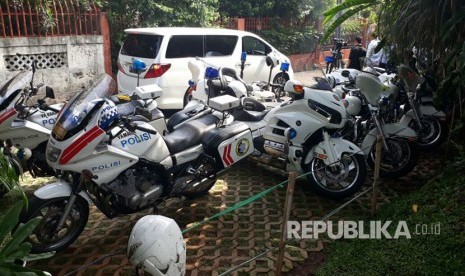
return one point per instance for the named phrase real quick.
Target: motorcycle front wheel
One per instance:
(398, 160)
(339, 181)
(431, 135)
(45, 237)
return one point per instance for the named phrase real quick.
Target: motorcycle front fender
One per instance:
(389, 130)
(58, 189)
(339, 146)
(425, 110)
(429, 110)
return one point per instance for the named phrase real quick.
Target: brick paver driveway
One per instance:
(218, 245)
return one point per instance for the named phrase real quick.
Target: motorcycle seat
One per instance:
(250, 110)
(190, 133)
(183, 115)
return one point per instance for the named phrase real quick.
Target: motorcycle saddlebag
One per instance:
(229, 144)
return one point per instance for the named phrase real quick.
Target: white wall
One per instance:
(85, 61)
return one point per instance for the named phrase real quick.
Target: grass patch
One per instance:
(441, 201)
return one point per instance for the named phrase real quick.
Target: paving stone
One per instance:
(234, 238)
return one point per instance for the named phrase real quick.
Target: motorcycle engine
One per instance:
(134, 189)
(37, 164)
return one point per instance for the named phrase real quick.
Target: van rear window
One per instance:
(141, 45)
(182, 46)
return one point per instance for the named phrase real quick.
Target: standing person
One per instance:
(356, 54)
(373, 58)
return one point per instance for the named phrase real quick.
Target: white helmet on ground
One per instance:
(156, 246)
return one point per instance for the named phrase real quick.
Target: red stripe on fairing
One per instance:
(231, 161)
(81, 143)
(5, 115)
(226, 156)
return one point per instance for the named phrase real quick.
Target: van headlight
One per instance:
(53, 154)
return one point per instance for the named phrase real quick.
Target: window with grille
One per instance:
(44, 61)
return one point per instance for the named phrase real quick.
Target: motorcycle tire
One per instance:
(280, 78)
(406, 162)
(432, 135)
(40, 237)
(316, 170)
(187, 98)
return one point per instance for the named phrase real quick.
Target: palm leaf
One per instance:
(20, 235)
(380, 45)
(346, 5)
(343, 18)
(22, 250)
(11, 269)
(9, 220)
(33, 257)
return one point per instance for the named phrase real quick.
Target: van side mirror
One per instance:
(269, 61)
(49, 93)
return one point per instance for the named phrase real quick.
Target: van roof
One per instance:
(184, 31)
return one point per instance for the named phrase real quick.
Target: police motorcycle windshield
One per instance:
(9, 89)
(79, 110)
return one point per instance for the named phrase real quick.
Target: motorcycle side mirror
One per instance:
(243, 56)
(345, 73)
(49, 93)
(269, 61)
(138, 66)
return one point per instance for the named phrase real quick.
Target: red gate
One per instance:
(23, 18)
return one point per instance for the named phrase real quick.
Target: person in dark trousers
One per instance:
(357, 53)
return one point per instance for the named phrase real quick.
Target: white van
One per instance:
(167, 50)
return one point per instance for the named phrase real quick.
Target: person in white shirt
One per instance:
(373, 58)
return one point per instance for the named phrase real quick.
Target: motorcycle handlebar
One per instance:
(131, 126)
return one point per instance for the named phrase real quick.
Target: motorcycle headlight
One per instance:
(53, 154)
(59, 131)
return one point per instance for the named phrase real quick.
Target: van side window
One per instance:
(182, 46)
(220, 45)
(141, 45)
(253, 46)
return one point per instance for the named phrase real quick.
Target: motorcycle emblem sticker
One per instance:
(242, 147)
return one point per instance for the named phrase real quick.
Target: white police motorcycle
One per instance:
(124, 165)
(27, 127)
(296, 135)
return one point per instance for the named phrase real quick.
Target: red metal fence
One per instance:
(27, 18)
(251, 24)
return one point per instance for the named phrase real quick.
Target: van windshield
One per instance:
(141, 45)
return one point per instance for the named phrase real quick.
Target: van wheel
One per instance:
(280, 78)
(187, 97)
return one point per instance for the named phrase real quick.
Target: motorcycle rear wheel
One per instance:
(325, 183)
(44, 238)
(396, 162)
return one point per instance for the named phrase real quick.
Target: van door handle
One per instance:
(247, 63)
